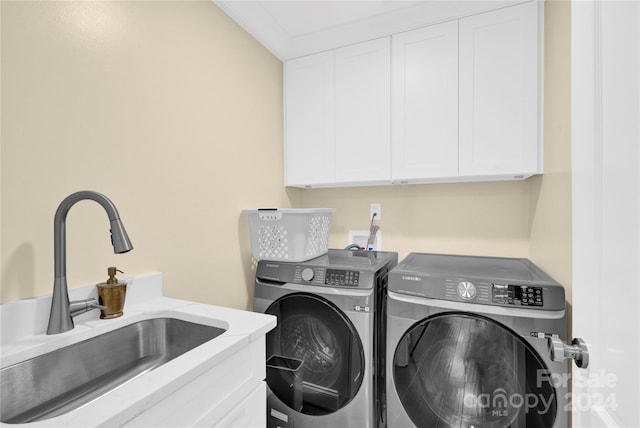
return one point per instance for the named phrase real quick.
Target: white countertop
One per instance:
(23, 335)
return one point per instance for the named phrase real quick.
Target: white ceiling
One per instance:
(298, 18)
(300, 27)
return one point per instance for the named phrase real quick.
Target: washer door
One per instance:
(464, 370)
(315, 359)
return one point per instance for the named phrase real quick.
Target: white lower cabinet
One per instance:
(252, 412)
(232, 393)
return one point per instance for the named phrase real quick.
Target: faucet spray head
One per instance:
(119, 238)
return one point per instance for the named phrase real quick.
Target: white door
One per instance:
(309, 120)
(499, 90)
(425, 103)
(606, 211)
(362, 112)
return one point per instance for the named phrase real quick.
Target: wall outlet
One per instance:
(375, 208)
(361, 237)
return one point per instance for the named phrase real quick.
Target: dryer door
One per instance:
(464, 370)
(315, 358)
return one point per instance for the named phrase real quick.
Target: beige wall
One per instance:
(551, 236)
(176, 114)
(516, 219)
(168, 108)
(471, 218)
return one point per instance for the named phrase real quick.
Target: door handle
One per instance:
(560, 351)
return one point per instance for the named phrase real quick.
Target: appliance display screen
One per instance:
(348, 278)
(520, 295)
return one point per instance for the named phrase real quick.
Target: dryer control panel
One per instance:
(520, 295)
(507, 282)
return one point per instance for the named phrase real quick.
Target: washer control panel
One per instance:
(308, 274)
(342, 278)
(323, 276)
(518, 295)
(466, 290)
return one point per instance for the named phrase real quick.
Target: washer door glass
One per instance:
(315, 359)
(464, 371)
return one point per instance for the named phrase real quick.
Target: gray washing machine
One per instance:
(467, 344)
(325, 358)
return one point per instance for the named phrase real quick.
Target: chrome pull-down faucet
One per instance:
(63, 311)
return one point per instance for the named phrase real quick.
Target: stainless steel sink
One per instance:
(65, 379)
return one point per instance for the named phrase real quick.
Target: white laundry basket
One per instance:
(291, 235)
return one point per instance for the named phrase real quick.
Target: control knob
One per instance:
(466, 290)
(307, 274)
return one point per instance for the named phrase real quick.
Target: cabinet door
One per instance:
(499, 89)
(425, 103)
(250, 413)
(362, 112)
(309, 120)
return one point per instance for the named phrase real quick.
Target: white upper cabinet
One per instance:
(499, 93)
(425, 103)
(309, 120)
(362, 112)
(337, 115)
(456, 101)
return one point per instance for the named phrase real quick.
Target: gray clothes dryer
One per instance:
(467, 344)
(325, 358)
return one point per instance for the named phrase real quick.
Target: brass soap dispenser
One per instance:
(112, 294)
